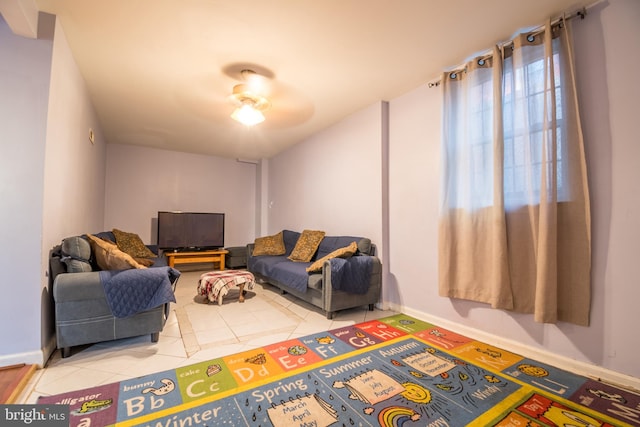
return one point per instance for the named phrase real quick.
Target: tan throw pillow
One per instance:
(269, 245)
(345, 252)
(109, 257)
(306, 245)
(132, 244)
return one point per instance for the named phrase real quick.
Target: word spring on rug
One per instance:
(390, 372)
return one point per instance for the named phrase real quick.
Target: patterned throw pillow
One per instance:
(132, 244)
(109, 257)
(345, 252)
(269, 245)
(306, 245)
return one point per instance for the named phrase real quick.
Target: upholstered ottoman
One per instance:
(216, 284)
(237, 257)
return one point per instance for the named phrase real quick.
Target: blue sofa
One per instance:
(92, 305)
(341, 283)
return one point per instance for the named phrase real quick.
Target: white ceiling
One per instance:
(159, 72)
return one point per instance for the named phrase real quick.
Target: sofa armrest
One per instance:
(250, 255)
(78, 287)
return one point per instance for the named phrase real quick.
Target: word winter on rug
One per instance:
(395, 371)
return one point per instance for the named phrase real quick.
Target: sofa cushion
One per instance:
(265, 265)
(364, 246)
(290, 239)
(269, 245)
(344, 252)
(76, 253)
(106, 235)
(292, 274)
(109, 257)
(306, 245)
(132, 244)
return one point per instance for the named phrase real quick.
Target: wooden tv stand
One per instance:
(196, 256)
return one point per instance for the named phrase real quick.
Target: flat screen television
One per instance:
(196, 231)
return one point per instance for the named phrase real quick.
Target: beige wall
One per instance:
(606, 50)
(142, 181)
(74, 166)
(24, 87)
(332, 181)
(52, 181)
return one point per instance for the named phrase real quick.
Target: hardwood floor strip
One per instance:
(13, 380)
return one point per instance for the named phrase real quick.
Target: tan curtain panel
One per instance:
(514, 226)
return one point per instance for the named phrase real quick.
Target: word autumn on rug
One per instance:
(395, 371)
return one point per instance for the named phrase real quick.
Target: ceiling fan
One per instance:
(243, 86)
(248, 99)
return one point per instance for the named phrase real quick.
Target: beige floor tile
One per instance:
(80, 379)
(194, 332)
(216, 352)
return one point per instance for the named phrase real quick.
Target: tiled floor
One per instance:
(196, 331)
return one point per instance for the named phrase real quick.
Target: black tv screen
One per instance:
(190, 230)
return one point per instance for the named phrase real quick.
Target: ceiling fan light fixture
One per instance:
(249, 105)
(247, 115)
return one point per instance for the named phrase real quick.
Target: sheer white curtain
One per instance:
(514, 227)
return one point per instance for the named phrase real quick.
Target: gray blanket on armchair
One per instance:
(129, 292)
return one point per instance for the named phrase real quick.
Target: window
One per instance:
(525, 159)
(514, 227)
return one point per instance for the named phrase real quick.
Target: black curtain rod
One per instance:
(581, 13)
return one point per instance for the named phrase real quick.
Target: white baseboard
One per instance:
(36, 357)
(541, 355)
(30, 358)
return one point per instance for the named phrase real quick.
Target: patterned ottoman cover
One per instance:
(216, 284)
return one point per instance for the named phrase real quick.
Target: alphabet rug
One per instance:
(391, 372)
